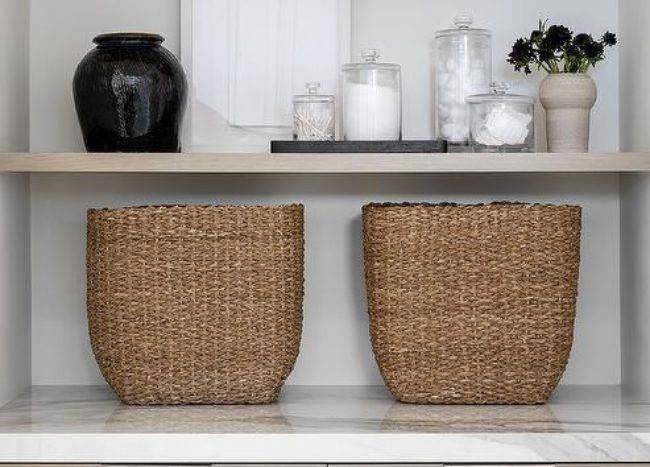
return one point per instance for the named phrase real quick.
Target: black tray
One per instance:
(345, 147)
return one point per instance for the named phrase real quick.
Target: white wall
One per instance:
(14, 55)
(335, 342)
(635, 289)
(634, 72)
(15, 361)
(241, 101)
(635, 200)
(15, 334)
(403, 31)
(61, 34)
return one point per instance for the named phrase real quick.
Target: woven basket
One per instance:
(472, 304)
(195, 305)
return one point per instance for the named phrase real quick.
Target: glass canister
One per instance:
(314, 116)
(463, 67)
(372, 100)
(502, 122)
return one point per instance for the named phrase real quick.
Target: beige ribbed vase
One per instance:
(568, 99)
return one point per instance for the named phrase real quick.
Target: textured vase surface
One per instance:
(130, 94)
(568, 99)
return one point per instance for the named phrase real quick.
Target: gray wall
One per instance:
(15, 333)
(635, 205)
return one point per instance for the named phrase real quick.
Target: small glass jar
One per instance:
(463, 67)
(314, 116)
(372, 100)
(502, 122)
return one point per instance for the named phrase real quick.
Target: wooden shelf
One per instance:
(325, 163)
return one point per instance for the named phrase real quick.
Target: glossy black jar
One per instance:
(130, 94)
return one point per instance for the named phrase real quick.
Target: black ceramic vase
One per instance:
(130, 94)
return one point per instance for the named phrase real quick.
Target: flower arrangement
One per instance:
(556, 49)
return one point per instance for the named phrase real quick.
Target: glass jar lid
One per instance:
(499, 93)
(463, 28)
(312, 94)
(370, 59)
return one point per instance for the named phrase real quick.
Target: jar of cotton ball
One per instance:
(314, 117)
(462, 67)
(502, 122)
(372, 100)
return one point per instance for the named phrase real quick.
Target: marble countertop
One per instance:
(323, 425)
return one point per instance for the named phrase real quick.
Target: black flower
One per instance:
(573, 50)
(522, 54)
(557, 37)
(537, 36)
(546, 55)
(593, 51)
(609, 38)
(581, 40)
(555, 49)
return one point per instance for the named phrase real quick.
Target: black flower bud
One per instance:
(609, 38)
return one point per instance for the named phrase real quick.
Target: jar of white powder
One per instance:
(372, 100)
(502, 122)
(462, 67)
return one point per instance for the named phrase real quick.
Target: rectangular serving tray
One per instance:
(349, 147)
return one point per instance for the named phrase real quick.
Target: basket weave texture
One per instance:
(472, 304)
(195, 305)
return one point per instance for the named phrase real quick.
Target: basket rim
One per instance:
(389, 205)
(170, 207)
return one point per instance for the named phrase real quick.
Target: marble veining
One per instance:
(322, 424)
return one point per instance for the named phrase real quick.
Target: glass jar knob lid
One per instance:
(463, 27)
(370, 61)
(313, 95)
(499, 88)
(312, 88)
(370, 55)
(463, 21)
(499, 92)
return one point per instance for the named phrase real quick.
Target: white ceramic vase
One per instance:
(568, 99)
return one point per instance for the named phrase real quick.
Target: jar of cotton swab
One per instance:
(314, 115)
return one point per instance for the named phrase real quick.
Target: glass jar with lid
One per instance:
(502, 122)
(463, 67)
(372, 100)
(314, 115)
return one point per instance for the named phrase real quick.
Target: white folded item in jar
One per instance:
(503, 126)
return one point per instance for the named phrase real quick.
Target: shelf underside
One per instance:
(326, 163)
(320, 425)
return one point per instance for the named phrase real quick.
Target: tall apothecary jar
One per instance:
(463, 67)
(372, 100)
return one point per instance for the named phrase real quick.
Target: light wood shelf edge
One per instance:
(324, 163)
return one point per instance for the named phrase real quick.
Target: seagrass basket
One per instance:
(472, 304)
(195, 305)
